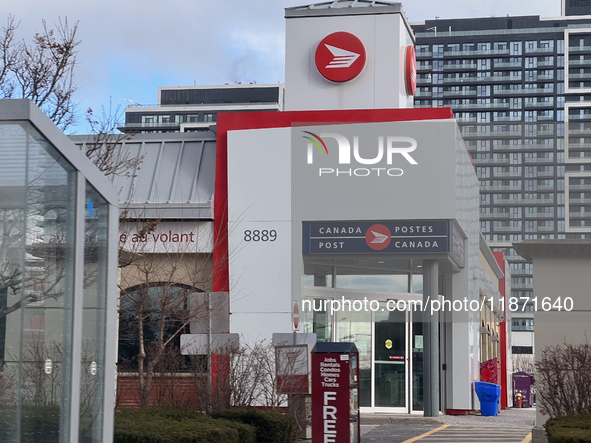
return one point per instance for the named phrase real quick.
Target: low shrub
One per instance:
(178, 425)
(271, 426)
(569, 429)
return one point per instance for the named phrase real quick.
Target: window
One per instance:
(152, 302)
(522, 349)
(437, 51)
(515, 48)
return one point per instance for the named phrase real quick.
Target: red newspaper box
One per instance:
(335, 396)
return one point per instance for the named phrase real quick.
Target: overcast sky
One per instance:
(130, 47)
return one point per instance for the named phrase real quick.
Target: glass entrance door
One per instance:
(390, 345)
(390, 382)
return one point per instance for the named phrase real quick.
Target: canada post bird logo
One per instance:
(378, 237)
(341, 57)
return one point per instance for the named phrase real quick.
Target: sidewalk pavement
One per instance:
(417, 424)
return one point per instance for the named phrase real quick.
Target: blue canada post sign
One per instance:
(391, 236)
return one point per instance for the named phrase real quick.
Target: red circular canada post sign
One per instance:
(378, 237)
(296, 316)
(411, 70)
(340, 57)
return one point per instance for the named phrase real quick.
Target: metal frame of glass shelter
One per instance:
(58, 273)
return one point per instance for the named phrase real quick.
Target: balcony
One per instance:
(546, 229)
(579, 48)
(521, 327)
(495, 215)
(522, 271)
(489, 78)
(500, 188)
(503, 134)
(476, 52)
(579, 201)
(508, 119)
(524, 201)
(535, 146)
(466, 119)
(165, 125)
(579, 145)
(585, 76)
(543, 63)
(427, 67)
(458, 93)
(423, 81)
(424, 54)
(579, 62)
(480, 106)
(423, 94)
(549, 104)
(506, 174)
(579, 214)
(524, 91)
(539, 215)
(579, 117)
(584, 187)
(491, 161)
(539, 160)
(507, 229)
(546, 77)
(586, 131)
(459, 67)
(508, 65)
(538, 50)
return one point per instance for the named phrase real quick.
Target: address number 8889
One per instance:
(263, 235)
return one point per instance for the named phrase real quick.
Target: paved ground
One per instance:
(511, 426)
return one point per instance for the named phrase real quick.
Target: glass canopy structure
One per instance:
(58, 271)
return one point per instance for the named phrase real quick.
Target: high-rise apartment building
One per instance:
(520, 88)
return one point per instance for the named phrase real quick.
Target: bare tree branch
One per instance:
(42, 71)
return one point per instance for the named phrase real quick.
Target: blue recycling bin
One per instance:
(489, 395)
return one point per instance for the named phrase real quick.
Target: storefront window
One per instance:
(151, 303)
(317, 319)
(371, 280)
(356, 327)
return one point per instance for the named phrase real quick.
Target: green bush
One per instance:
(178, 425)
(271, 426)
(569, 429)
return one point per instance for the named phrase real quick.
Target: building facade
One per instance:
(195, 108)
(166, 244)
(519, 88)
(305, 232)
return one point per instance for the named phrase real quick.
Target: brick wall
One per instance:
(176, 390)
